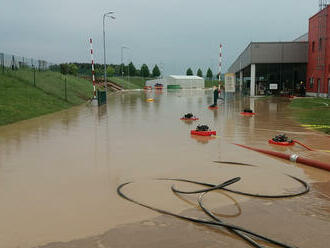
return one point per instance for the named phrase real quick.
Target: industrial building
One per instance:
(276, 66)
(318, 68)
(280, 67)
(178, 82)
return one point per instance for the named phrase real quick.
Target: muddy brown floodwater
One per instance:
(59, 174)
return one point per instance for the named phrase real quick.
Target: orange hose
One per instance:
(292, 157)
(308, 148)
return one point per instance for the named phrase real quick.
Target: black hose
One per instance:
(220, 186)
(190, 202)
(306, 188)
(241, 232)
(229, 162)
(201, 221)
(229, 182)
(242, 235)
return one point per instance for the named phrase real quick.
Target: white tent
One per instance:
(185, 82)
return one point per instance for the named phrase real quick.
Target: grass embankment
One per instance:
(211, 83)
(21, 100)
(312, 113)
(130, 83)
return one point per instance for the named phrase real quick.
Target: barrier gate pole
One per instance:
(93, 71)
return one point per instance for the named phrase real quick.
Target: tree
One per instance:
(69, 69)
(145, 71)
(110, 71)
(199, 72)
(117, 70)
(73, 69)
(99, 71)
(155, 71)
(209, 74)
(64, 68)
(189, 72)
(55, 68)
(132, 69)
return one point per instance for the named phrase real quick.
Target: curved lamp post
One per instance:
(108, 14)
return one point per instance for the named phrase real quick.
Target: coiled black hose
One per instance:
(304, 191)
(241, 232)
(220, 186)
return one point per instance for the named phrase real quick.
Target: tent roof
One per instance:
(185, 77)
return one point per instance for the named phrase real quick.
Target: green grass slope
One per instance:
(312, 112)
(130, 83)
(20, 100)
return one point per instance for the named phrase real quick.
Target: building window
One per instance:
(320, 44)
(311, 83)
(313, 46)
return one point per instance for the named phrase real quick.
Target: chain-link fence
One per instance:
(45, 76)
(14, 62)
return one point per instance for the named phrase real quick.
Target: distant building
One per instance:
(318, 69)
(279, 66)
(178, 82)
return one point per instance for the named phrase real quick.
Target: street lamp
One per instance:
(108, 14)
(122, 60)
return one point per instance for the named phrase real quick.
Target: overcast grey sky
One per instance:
(175, 33)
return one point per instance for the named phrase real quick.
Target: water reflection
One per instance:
(189, 122)
(202, 139)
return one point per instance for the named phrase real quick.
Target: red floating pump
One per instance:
(189, 119)
(285, 143)
(203, 133)
(203, 130)
(281, 140)
(247, 114)
(158, 86)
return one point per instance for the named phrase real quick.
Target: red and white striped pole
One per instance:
(93, 71)
(220, 62)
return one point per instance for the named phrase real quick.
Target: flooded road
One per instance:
(59, 173)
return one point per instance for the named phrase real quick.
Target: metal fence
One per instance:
(40, 74)
(13, 62)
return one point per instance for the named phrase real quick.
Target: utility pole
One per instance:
(220, 63)
(108, 14)
(122, 59)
